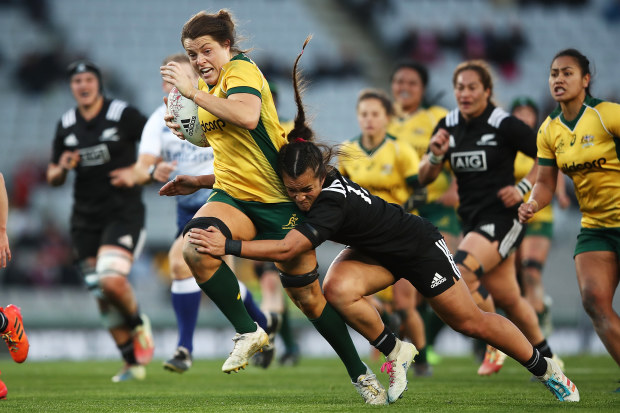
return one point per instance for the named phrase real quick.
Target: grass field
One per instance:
(315, 385)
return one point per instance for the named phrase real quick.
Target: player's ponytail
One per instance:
(301, 152)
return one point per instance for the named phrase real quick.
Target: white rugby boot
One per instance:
(396, 366)
(370, 389)
(245, 346)
(561, 386)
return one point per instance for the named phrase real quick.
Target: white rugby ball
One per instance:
(185, 113)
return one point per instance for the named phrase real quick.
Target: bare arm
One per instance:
(5, 251)
(147, 169)
(513, 194)
(240, 109)
(187, 184)
(432, 163)
(212, 241)
(541, 193)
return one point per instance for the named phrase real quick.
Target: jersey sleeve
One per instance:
(243, 77)
(133, 122)
(324, 218)
(520, 135)
(610, 113)
(150, 142)
(58, 146)
(546, 152)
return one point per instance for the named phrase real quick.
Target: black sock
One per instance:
(127, 352)
(134, 320)
(4, 322)
(421, 357)
(386, 341)
(537, 365)
(544, 349)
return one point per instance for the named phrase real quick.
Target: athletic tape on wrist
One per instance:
(434, 159)
(524, 186)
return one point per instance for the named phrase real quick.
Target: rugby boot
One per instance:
(14, 334)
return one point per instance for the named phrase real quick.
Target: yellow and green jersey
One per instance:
(587, 150)
(386, 171)
(417, 129)
(523, 165)
(245, 160)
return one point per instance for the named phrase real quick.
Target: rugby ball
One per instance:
(185, 113)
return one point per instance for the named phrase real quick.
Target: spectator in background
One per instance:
(92, 139)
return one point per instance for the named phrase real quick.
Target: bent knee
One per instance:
(594, 302)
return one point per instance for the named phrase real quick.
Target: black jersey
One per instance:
(346, 213)
(106, 142)
(482, 154)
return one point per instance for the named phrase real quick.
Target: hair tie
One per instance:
(299, 140)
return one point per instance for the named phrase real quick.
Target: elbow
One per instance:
(249, 124)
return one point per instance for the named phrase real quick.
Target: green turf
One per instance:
(315, 385)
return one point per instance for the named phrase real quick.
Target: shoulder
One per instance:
(437, 111)
(452, 118)
(604, 108)
(498, 116)
(67, 119)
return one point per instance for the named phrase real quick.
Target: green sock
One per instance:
(332, 327)
(223, 289)
(286, 333)
(433, 325)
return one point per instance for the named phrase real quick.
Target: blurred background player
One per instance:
(162, 156)
(92, 139)
(11, 324)
(481, 141)
(580, 137)
(534, 248)
(387, 168)
(414, 121)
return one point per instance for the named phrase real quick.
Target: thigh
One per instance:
(598, 273)
(357, 273)
(239, 224)
(481, 249)
(455, 306)
(501, 281)
(535, 247)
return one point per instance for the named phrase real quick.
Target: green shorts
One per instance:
(272, 221)
(541, 229)
(444, 218)
(598, 239)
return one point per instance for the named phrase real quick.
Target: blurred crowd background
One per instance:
(355, 44)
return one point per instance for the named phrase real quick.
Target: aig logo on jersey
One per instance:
(470, 161)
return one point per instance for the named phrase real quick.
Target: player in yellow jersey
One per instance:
(414, 123)
(239, 120)
(580, 138)
(387, 168)
(534, 248)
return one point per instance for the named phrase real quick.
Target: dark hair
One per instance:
(413, 65)
(301, 152)
(381, 96)
(219, 26)
(582, 61)
(82, 66)
(523, 101)
(481, 68)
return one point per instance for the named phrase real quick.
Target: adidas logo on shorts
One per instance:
(438, 279)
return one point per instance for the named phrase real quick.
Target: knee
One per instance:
(468, 327)
(338, 292)
(593, 302)
(113, 287)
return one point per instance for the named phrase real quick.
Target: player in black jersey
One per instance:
(480, 141)
(384, 244)
(92, 139)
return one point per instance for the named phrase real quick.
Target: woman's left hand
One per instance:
(510, 196)
(210, 241)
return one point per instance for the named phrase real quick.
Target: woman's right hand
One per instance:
(180, 185)
(440, 142)
(168, 118)
(527, 211)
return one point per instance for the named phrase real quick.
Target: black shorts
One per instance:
(431, 271)
(506, 230)
(125, 231)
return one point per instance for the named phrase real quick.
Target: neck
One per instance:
(409, 110)
(88, 112)
(370, 142)
(571, 109)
